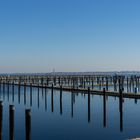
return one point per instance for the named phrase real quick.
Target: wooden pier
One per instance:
(130, 85)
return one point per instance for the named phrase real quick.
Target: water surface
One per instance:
(70, 116)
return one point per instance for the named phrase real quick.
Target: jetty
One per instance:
(129, 85)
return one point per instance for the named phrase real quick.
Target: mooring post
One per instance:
(107, 83)
(28, 124)
(127, 84)
(121, 110)
(24, 92)
(1, 118)
(119, 83)
(19, 92)
(8, 89)
(4, 86)
(13, 91)
(30, 94)
(3, 90)
(104, 107)
(11, 121)
(92, 83)
(84, 83)
(88, 104)
(0, 85)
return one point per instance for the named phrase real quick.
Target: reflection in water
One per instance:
(38, 96)
(61, 100)
(32, 99)
(121, 110)
(52, 105)
(45, 98)
(88, 104)
(72, 94)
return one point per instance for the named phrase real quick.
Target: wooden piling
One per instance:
(30, 94)
(1, 118)
(11, 121)
(13, 91)
(19, 92)
(104, 107)
(24, 92)
(28, 124)
(121, 110)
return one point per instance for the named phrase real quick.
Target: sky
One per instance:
(69, 35)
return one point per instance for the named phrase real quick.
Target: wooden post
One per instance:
(30, 94)
(107, 83)
(11, 121)
(1, 118)
(8, 90)
(92, 83)
(19, 92)
(0, 85)
(84, 83)
(3, 90)
(121, 110)
(28, 124)
(104, 107)
(3, 87)
(24, 92)
(13, 91)
(127, 84)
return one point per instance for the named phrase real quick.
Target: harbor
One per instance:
(53, 93)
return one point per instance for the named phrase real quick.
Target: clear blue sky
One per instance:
(69, 35)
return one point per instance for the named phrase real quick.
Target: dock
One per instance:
(130, 85)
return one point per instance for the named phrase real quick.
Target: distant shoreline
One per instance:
(79, 73)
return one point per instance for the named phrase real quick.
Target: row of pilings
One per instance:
(12, 122)
(113, 83)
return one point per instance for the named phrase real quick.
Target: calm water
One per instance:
(71, 118)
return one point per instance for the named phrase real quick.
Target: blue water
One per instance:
(73, 122)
